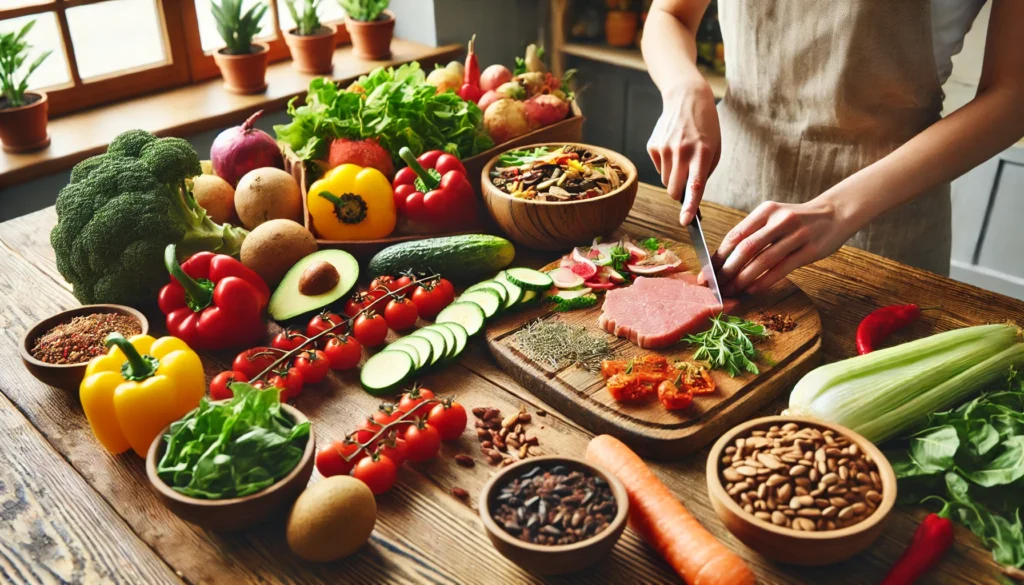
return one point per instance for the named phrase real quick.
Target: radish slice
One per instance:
(650, 269)
(614, 275)
(636, 253)
(585, 266)
(599, 285)
(565, 278)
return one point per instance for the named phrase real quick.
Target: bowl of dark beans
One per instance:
(553, 515)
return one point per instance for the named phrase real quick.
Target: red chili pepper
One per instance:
(881, 323)
(433, 192)
(931, 541)
(470, 90)
(213, 301)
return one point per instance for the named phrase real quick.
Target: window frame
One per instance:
(78, 94)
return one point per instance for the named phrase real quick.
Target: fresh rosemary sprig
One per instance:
(728, 345)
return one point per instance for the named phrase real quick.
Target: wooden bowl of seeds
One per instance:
(554, 515)
(800, 491)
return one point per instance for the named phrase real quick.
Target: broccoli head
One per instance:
(119, 212)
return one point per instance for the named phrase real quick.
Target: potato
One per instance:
(331, 519)
(267, 193)
(274, 247)
(216, 196)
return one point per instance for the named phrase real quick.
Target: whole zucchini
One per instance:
(461, 258)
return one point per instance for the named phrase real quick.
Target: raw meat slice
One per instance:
(658, 312)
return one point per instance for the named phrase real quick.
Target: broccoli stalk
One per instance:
(201, 232)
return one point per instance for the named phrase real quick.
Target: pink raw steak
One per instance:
(658, 312)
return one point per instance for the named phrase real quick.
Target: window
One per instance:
(108, 50)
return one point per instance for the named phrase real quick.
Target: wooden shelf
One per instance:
(632, 59)
(191, 109)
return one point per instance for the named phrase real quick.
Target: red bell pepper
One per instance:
(433, 192)
(213, 301)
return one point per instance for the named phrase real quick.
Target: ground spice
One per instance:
(81, 339)
(559, 345)
(778, 322)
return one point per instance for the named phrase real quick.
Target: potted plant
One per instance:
(371, 27)
(22, 114)
(620, 24)
(242, 63)
(310, 42)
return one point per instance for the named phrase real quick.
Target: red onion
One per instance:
(240, 149)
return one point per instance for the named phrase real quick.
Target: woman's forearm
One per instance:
(669, 43)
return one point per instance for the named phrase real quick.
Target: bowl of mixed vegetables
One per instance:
(557, 195)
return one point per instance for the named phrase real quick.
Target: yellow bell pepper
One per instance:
(352, 203)
(139, 387)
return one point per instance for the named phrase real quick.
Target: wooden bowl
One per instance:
(555, 559)
(785, 544)
(235, 513)
(67, 376)
(558, 225)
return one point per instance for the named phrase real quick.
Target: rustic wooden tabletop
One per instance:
(71, 513)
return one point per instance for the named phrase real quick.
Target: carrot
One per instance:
(695, 554)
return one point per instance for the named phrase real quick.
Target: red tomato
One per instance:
(385, 282)
(322, 322)
(219, 386)
(401, 314)
(413, 397)
(288, 340)
(251, 364)
(343, 352)
(366, 430)
(370, 329)
(357, 303)
(393, 448)
(331, 459)
(422, 440)
(289, 381)
(386, 413)
(429, 300)
(402, 283)
(377, 471)
(672, 397)
(449, 418)
(374, 295)
(313, 364)
(443, 285)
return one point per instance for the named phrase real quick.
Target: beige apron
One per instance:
(819, 90)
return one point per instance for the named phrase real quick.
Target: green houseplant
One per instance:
(242, 62)
(311, 42)
(371, 26)
(23, 114)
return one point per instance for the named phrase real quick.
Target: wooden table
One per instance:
(69, 512)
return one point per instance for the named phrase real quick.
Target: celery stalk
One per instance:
(887, 392)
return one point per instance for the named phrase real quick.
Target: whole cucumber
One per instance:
(458, 258)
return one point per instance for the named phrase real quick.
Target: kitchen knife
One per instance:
(700, 245)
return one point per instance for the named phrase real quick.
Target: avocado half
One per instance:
(287, 302)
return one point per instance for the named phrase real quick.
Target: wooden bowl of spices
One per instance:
(554, 515)
(57, 349)
(800, 491)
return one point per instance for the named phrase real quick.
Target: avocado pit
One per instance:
(318, 278)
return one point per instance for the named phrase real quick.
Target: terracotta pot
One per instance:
(23, 129)
(312, 53)
(372, 40)
(620, 28)
(244, 74)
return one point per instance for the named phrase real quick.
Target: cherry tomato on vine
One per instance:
(322, 322)
(370, 329)
(331, 459)
(343, 352)
(357, 303)
(260, 384)
(219, 386)
(402, 283)
(377, 471)
(385, 282)
(449, 418)
(366, 430)
(386, 413)
(413, 397)
(313, 364)
(288, 340)
(289, 381)
(394, 448)
(446, 287)
(429, 300)
(401, 314)
(253, 361)
(422, 441)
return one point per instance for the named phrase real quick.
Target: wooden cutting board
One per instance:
(648, 427)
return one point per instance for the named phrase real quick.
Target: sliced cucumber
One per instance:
(491, 285)
(515, 293)
(529, 279)
(461, 337)
(528, 296)
(414, 353)
(488, 300)
(385, 372)
(423, 347)
(437, 342)
(449, 338)
(467, 314)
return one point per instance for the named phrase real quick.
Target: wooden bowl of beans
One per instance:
(56, 350)
(800, 491)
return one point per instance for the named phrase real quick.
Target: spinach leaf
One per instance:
(933, 450)
(1005, 469)
(232, 448)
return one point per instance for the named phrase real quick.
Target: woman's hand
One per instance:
(686, 144)
(774, 240)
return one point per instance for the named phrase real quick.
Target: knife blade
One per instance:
(700, 245)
